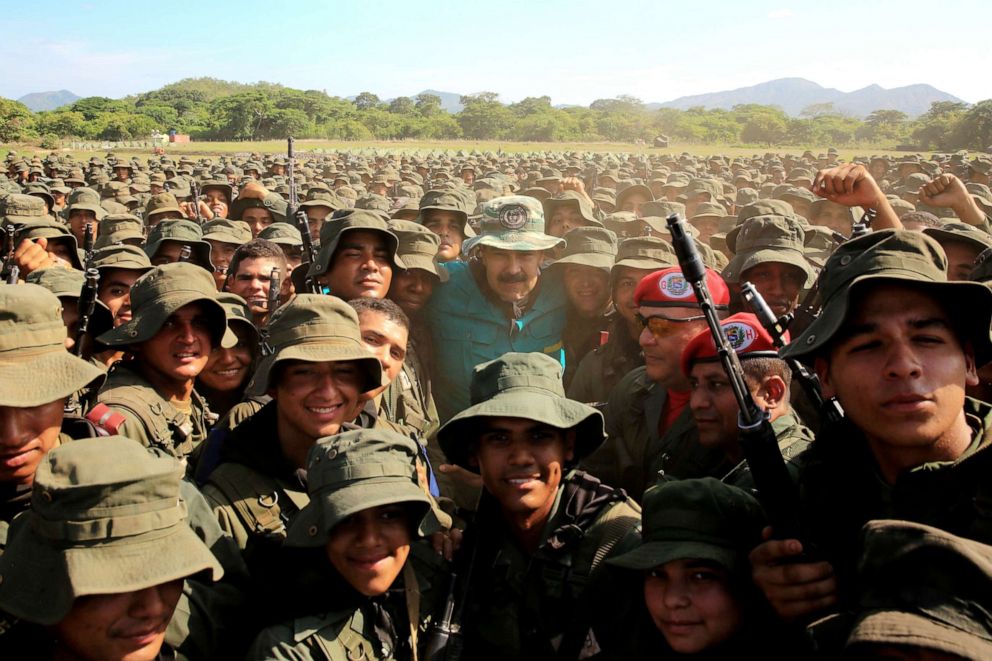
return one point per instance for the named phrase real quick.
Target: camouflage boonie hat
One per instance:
(645, 252)
(898, 257)
(358, 220)
(19, 209)
(764, 239)
(520, 385)
(358, 470)
(924, 588)
(121, 256)
(572, 199)
(159, 293)
(315, 329)
(36, 367)
(589, 246)
(513, 222)
(283, 234)
(99, 527)
(161, 203)
(702, 519)
(418, 247)
(119, 228)
(224, 230)
(185, 232)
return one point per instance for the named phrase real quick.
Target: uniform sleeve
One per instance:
(579, 389)
(617, 461)
(278, 642)
(227, 518)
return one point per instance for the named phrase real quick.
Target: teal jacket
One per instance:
(467, 328)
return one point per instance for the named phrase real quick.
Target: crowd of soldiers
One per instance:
(474, 405)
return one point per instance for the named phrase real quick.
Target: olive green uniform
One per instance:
(793, 438)
(601, 369)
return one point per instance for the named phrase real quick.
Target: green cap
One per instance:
(645, 252)
(359, 219)
(520, 385)
(119, 228)
(662, 208)
(418, 247)
(64, 283)
(961, 232)
(283, 234)
(87, 199)
(589, 246)
(355, 471)
(36, 367)
(159, 293)
(570, 198)
(763, 239)
(767, 207)
(701, 519)
(238, 314)
(185, 232)
(121, 256)
(99, 527)
(316, 329)
(514, 222)
(923, 587)
(161, 203)
(893, 256)
(18, 209)
(224, 230)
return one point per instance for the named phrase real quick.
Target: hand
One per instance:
(796, 590)
(31, 255)
(464, 476)
(851, 185)
(573, 183)
(446, 544)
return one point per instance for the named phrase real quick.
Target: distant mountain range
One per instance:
(790, 94)
(794, 94)
(48, 100)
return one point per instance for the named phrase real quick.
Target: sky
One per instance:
(574, 51)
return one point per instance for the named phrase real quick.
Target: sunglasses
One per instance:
(661, 326)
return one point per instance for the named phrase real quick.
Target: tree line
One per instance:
(210, 109)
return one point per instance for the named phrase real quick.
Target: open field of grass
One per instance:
(198, 149)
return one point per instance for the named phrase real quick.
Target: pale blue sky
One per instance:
(575, 51)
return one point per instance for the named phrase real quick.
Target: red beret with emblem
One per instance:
(668, 288)
(744, 332)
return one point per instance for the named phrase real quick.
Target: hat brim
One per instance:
(143, 326)
(319, 350)
(595, 260)
(49, 579)
(971, 299)
(893, 627)
(654, 554)
(45, 378)
(942, 235)
(746, 260)
(312, 526)
(455, 436)
(515, 241)
(425, 263)
(326, 252)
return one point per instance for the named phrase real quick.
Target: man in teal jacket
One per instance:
(496, 302)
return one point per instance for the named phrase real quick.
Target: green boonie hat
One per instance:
(645, 252)
(701, 519)
(161, 203)
(354, 471)
(34, 362)
(283, 234)
(513, 222)
(982, 271)
(570, 198)
(630, 190)
(315, 329)
(119, 228)
(222, 184)
(893, 256)
(185, 232)
(589, 246)
(238, 314)
(159, 293)
(86, 199)
(121, 256)
(962, 233)
(53, 232)
(520, 385)
(99, 527)
(357, 220)
(709, 210)
(322, 198)
(819, 245)
(418, 247)
(18, 209)
(922, 587)
(224, 230)
(64, 283)
(763, 239)
(768, 207)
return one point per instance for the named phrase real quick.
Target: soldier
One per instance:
(542, 529)
(367, 514)
(962, 244)
(224, 237)
(163, 206)
(225, 377)
(175, 323)
(444, 214)
(498, 302)
(120, 266)
(97, 564)
(258, 207)
(316, 374)
(289, 240)
(567, 211)
(249, 275)
(601, 370)
(713, 405)
(167, 239)
(648, 419)
(84, 212)
(897, 345)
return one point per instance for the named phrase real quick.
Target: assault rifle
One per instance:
(86, 307)
(274, 286)
(302, 223)
(776, 490)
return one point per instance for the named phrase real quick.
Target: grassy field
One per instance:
(198, 149)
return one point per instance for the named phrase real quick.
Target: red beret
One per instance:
(746, 334)
(669, 289)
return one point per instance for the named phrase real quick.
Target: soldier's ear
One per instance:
(971, 369)
(822, 368)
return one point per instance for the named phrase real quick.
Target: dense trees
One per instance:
(211, 109)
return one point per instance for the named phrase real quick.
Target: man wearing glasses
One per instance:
(648, 420)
